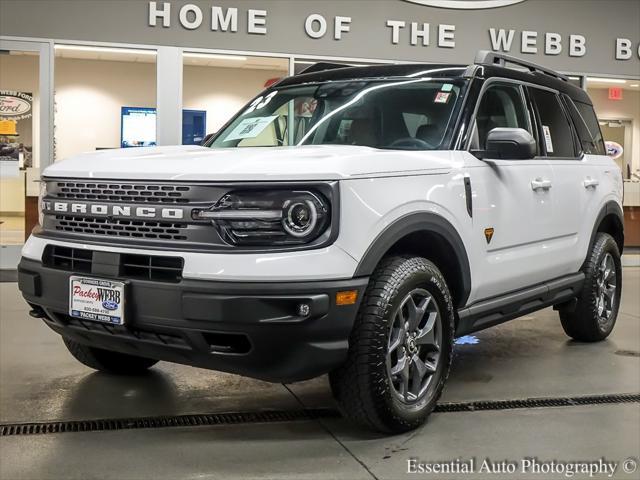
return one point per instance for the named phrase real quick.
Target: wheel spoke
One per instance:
(398, 338)
(405, 376)
(400, 366)
(416, 312)
(609, 292)
(427, 336)
(422, 368)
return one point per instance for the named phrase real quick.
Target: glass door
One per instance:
(25, 140)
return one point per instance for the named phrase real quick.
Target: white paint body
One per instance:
(539, 235)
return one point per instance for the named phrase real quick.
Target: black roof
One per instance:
(333, 72)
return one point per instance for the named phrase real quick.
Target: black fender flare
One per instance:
(609, 208)
(411, 223)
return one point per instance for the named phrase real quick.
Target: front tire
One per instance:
(596, 309)
(108, 361)
(400, 348)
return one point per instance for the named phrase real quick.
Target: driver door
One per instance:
(512, 211)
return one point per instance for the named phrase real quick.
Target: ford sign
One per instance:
(465, 4)
(110, 305)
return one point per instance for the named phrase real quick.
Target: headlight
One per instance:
(267, 218)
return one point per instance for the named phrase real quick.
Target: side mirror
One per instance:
(509, 144)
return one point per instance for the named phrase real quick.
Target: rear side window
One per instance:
(594, 144)
(556, 137)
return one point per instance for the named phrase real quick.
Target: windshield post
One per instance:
(291, 134)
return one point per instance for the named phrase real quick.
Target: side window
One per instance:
(556, 135)
(502, 105)
(589, 117)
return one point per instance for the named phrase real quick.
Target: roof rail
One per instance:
(321, 66)
(487, 57)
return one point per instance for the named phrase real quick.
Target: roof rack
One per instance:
(321, 66)
(487, 57)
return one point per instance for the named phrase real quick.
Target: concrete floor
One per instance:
(529, 357)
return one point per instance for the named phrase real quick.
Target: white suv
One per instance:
(348, 220)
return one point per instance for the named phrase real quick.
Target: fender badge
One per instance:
(488, 234)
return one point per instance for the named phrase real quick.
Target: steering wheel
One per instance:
(408, 142)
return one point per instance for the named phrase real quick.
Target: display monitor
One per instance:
(137, 127)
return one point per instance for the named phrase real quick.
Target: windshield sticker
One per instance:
(447, 87)
(442, 97)
(547, 138)
(250, 128)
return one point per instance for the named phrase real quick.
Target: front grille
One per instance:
(120, 227)
(136, 267)
(123, 192)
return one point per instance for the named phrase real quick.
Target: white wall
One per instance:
(90, 93)
(626, 109)
(222, 91)
(88, 97)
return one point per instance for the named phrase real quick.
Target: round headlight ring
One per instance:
(293, 215)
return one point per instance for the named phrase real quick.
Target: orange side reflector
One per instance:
(348, 297)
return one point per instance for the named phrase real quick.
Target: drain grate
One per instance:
(271, 416)
(537, 402)
(268, 416)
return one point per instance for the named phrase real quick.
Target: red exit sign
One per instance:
(615, 93)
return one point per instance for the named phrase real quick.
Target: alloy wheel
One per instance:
(606, 284)
(413, 351)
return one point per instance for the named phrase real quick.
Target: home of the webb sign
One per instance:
(416, 33)
(574, 36)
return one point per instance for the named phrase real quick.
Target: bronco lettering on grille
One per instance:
(112, 210)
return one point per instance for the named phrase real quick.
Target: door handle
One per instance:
(540, 184)
(590, 182)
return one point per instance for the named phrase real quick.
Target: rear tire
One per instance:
(108, 361)
(400, 348)
(596, 309)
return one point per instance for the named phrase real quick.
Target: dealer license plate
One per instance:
(96, 299)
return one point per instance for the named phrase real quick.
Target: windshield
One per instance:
(415, 114)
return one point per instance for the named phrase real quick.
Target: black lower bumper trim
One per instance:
(252, 329)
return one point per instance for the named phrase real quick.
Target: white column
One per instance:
(169, 96)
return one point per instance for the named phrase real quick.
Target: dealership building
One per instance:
(99, 75)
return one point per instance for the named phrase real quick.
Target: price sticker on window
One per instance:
(547, 139)
(250, 128)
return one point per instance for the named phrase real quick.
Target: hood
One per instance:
(309, 162)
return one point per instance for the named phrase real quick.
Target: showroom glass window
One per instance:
(414, 114)
(556, 135)
(502, 106)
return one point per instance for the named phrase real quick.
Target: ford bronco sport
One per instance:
(348, 220)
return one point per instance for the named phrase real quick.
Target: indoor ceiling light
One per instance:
(83, 48)
(634, 85)
(606, 80)
(214, 56)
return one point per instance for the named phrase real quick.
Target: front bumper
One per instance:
(251, 328)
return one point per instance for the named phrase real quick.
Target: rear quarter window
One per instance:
(595, 141)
